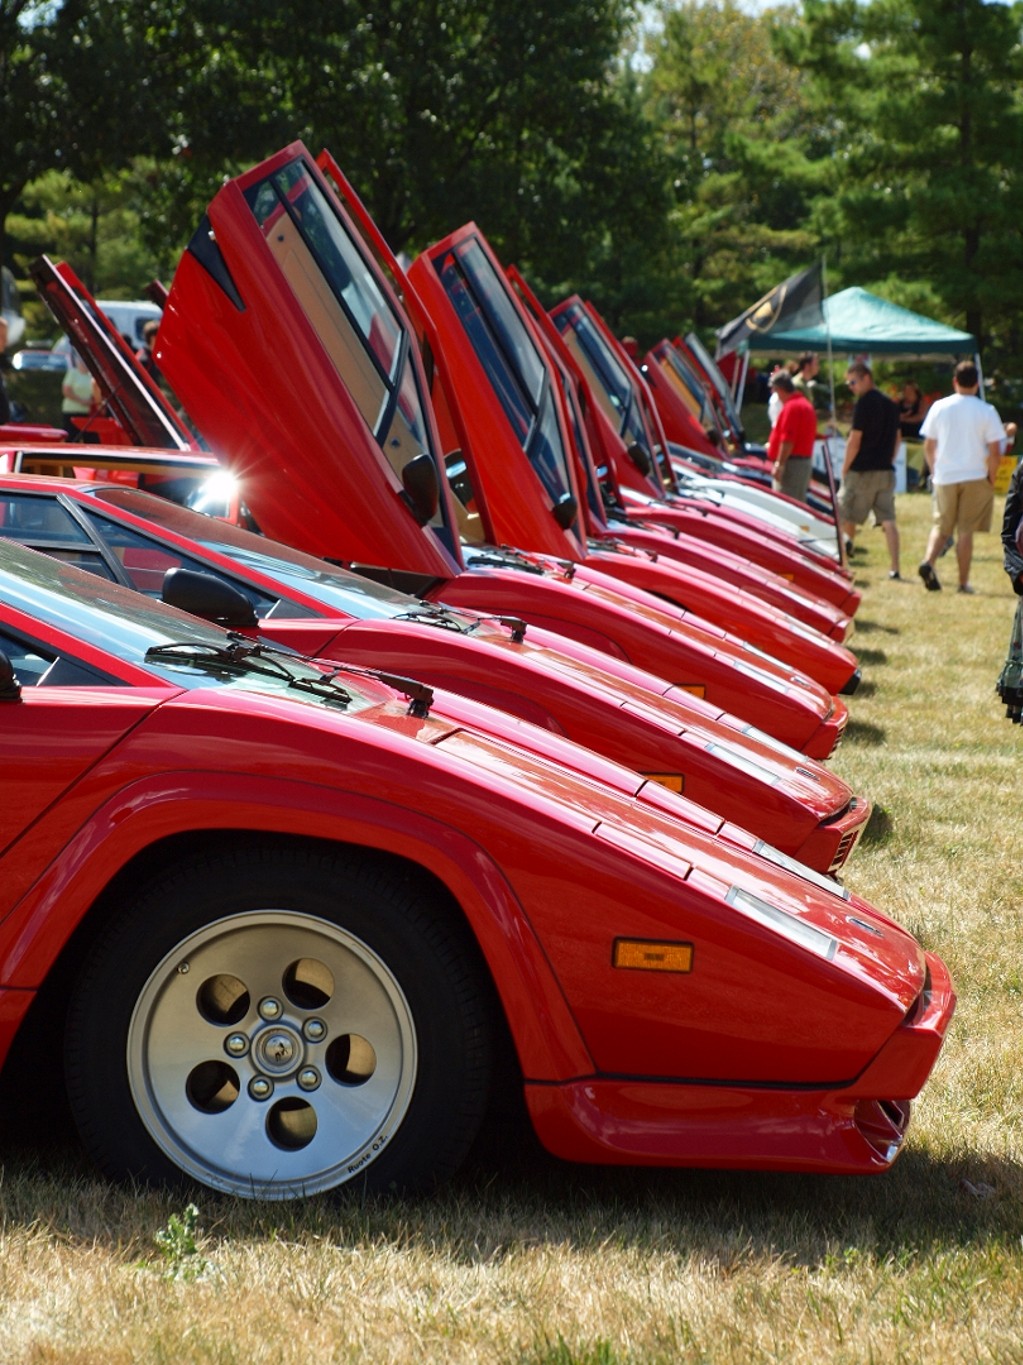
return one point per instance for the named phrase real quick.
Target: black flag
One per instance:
(797, 302)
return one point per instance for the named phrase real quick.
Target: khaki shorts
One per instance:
(963, 507)
(866, 491)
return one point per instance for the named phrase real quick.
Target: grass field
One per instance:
(528, 1260)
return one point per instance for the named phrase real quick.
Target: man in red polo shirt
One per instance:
(790, 447)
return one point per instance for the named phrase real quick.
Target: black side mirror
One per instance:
(202, 594)
(565, 510)
(10, 688)
(422, 492)
(640, 457)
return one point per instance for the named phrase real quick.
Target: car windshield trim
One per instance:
(332, 587)
(131, 629)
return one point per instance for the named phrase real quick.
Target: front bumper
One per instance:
(856, 1128)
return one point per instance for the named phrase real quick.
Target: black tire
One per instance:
(194, 1048)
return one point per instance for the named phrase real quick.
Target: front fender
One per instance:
(145, 812)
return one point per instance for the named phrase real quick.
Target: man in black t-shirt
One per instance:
(868, 471)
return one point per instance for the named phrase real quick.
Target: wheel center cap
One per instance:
(277, 1050)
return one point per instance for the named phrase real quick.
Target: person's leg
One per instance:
(852, 508)
(944, 520)
(891, 535)
(964, 556)
(797, 480)
(976, 506)
(884, 515)
(945, 515)
(934, 543)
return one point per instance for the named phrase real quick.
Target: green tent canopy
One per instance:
(857, 321)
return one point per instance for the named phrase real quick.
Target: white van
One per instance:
(129, 316)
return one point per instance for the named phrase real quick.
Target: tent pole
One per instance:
(832, 488)
(742, 371)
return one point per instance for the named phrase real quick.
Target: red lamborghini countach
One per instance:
(287, 918)
(262, 587)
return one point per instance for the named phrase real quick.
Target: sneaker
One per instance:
(965, 587)
(930, 577)
(894, 575)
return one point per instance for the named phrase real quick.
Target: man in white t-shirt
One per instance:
(963, 441)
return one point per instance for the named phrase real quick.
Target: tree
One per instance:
(30, 122)
(518, 116)
(926, 161)
(77, 93)
(732, 115)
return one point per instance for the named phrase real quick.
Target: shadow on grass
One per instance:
(865, 689)
(923, 1205)
(865, 733)
(873, 627)
(879, 827)
(514, 1196)
(870, 657)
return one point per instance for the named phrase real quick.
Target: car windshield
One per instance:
(689, 383)
(179, 649)
(514, 364)
(608, 381)
(716, 378)
(335, 589)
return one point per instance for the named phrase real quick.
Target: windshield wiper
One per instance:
(241, 656)
(244, 656)
(429, 614)
(507, 558)
(419, 694)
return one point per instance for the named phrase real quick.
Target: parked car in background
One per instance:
(282, 596)
(38, 356)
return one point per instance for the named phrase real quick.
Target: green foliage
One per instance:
(178, 1245)
(886, 135)
(733, 117)
(925, 156)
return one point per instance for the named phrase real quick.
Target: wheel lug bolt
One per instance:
(269, 1008)
(314, 1030)
(260, 1088)
(308, 1078)
(236, 1044)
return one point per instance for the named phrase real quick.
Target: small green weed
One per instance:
(179, 1246)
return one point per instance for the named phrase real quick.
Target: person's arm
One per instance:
(784, 451)
(852, 449)
(994, 459)
(930, 450)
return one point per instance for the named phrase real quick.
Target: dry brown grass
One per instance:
(527, 1260)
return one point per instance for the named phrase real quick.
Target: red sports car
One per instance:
(289, 918)
(631, 717)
